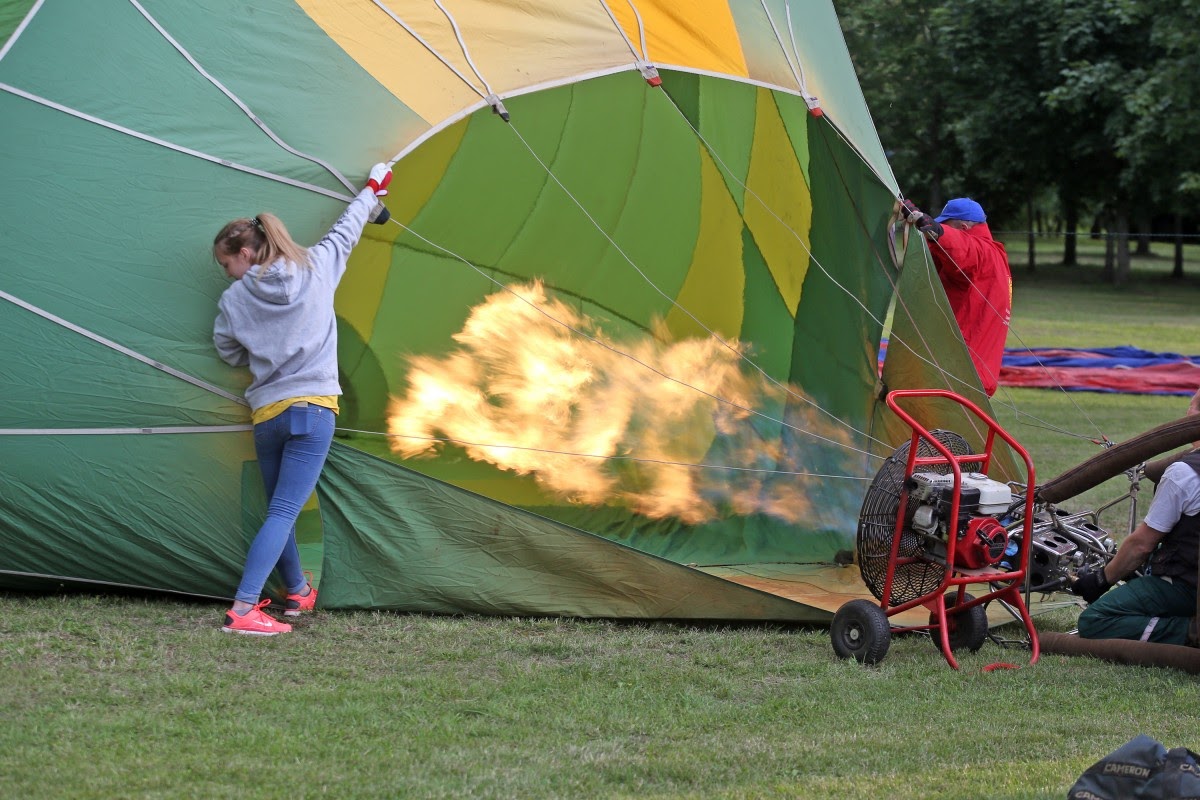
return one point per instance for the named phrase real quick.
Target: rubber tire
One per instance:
(967, 631)
(861, 631)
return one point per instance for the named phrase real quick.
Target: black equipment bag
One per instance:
(1140, 768)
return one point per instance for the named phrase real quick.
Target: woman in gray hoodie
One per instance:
(277, 318)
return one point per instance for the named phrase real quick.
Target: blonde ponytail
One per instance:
(265, 235)
(279, 243)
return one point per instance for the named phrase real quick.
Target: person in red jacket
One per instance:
(974, 271)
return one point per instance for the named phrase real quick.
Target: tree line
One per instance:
(1086, 110)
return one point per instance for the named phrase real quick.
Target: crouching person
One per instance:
(1160, 606)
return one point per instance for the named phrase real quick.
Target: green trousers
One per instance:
(1150, 609)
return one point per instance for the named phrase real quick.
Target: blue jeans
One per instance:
(291, 450)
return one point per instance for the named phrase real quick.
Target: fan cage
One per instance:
(877, 524)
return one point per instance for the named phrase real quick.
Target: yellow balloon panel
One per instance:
(715, 281)
(779, 203)
(414, 49)
(699, 34)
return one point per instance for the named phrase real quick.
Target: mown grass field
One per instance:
(144, 697)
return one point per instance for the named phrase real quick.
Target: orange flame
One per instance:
(598, 422)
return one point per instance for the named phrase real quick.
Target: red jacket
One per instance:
(974, 271)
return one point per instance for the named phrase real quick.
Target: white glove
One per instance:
(381, 176)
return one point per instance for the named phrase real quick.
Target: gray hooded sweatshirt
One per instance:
(279, 319)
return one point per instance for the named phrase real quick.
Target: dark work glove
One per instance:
(379, 214)
(912, 214)
(1090, 584)
(925, 223)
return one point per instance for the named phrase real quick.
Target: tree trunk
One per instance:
(1121, 276)
(1143, 238)
(1029, 227)
(1177, 273)
(1109, 253)
(1070, 249)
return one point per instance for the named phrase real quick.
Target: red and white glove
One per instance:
(381, 176)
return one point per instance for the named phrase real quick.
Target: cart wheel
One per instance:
(861, 631)
(967, 630)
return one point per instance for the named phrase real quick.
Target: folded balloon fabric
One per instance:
(1125, 369)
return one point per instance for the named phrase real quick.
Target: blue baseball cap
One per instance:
(963, 208)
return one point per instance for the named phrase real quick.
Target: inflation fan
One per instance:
(932, 523)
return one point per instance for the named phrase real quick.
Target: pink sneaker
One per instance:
(255, 622)
(297, 604)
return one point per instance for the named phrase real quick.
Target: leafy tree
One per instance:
(1164, 110)
(902, 65)
(1094, 100)
(1003, 65)
(1104, 46)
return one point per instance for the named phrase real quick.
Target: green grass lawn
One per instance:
(133, 697)
(1057, 306)
(124, 698)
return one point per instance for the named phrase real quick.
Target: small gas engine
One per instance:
(981, 537)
